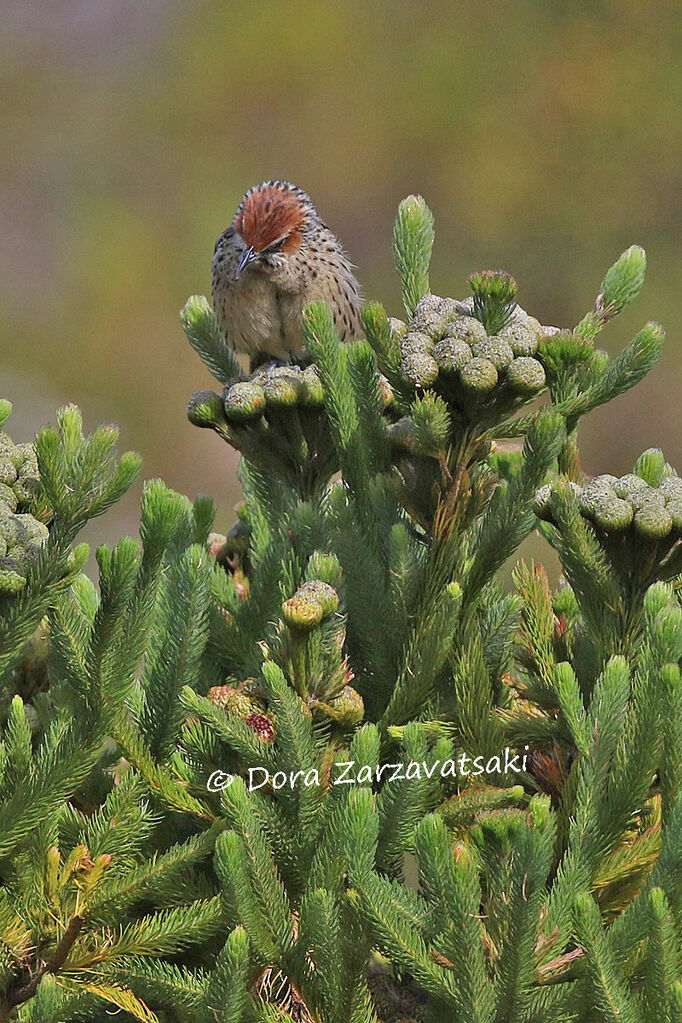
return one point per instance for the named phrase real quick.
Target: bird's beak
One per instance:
(249, 256)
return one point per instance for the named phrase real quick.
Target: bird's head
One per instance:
(272, 221)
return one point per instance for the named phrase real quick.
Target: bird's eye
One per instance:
(276, 246)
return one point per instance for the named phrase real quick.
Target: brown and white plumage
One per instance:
(275, 258)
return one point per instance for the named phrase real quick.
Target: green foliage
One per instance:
(325, 768)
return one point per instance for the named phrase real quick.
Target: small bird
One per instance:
(275, 258)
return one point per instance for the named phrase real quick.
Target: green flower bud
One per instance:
(622, 282)
(526, 376)
(593, 497)
(234, 701)
(303, 611)
(244, 400)
(466, 328)
(281, 388)
(521, 336)
(8, 497)
(385, 392)
(420, 368)
(646, 495)
(496, 350)
(324, 568)
(11, 582)
(612, 515)
(628, 484)
(451, 353)
(311, 392)
(650, 466)
(416, 341)
(8, 471)
(542, 501)
(205, 409)
(671, 488)
(347, 708)
(605, 480)
(674, 508)
(478, 376)
(326, 594)
(653, 521)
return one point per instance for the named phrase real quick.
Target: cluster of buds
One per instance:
(315, 652)
(242, 702)
(21, 533)
(646, 502)
(446, 347)
(276, 418)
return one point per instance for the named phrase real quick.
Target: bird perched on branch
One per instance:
(275, 258)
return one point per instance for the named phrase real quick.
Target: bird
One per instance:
(276, 257)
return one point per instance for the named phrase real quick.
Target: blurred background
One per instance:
(546, 137)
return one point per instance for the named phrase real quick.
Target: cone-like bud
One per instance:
(653, 521)
(496, 350)
(243, 401)
(451, 353)
(479, 376)
(303, 611)
(466, 328)
(347, 708)
(522, 335)
(322, 591)
(234, 701)
(205, 409)
(526, 376)
(311, 391)
(419, 368)
(262, 726)
(281, 387)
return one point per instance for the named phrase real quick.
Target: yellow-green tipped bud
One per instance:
(419, 368)
(653, 521)
(451, 353)
(322, 591)
(478, 376)
(281, 388)
(347, 708)
(244, 400)
(526, 376)
(205, 409)
(496, 350)
(386, 394)
(311, 392)
(303, 611)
